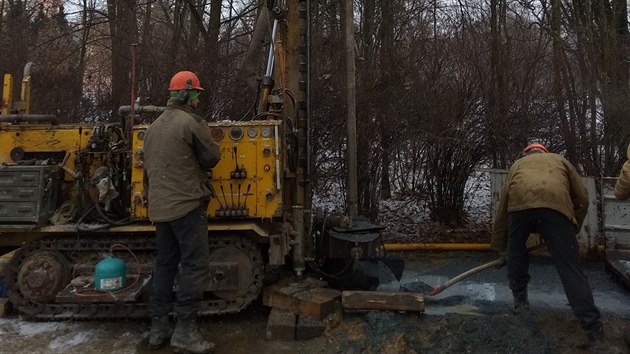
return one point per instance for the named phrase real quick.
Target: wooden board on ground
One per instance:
(281, 325)
(303, 298)
(374, 300)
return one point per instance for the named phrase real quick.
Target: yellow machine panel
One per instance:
(58, 142)
(246, 182)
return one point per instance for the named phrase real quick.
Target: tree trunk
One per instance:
(122, 23)
(143, 58)
(497, 91)
(351, 114)
(389, 84)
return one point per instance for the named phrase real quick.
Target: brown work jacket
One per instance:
(178, 153)
(622, 187)
(540, 180)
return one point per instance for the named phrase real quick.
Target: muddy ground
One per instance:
(471, 317)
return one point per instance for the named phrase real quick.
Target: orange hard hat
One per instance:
(184, 80)
(535, 146)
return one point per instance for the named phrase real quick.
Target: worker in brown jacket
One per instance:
(178, 154)
(544, 194)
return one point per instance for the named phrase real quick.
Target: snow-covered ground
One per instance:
(407, 219)
(20, 336)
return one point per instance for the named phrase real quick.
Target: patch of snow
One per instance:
(477, 201)
(29, 329)
(332, 200)
(482, 291)
(72, 340)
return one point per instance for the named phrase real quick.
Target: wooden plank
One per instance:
(316, 302)
(374, 300)
(280, 297)
(281, 325)
(308, 327)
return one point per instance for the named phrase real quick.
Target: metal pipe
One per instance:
(277, 138)
(29, 118)
(140, 109)
(308, 102)
(299, 264)
(272, 49)
(133, 90)
(27, 69)
(25, 94)
(351, 114)
(267, 81)
(437, 247)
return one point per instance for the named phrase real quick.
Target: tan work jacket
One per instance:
(540, 180)
(178, 153)
(622, 187)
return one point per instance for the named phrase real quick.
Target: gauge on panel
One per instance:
(217, 134)
(265, 132)
(236, 133)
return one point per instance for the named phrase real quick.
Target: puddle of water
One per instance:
(415, 277)
(481, 291)
(462, 309)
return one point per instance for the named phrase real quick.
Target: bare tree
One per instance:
(123, 32)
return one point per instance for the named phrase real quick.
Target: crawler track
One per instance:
(39, 270)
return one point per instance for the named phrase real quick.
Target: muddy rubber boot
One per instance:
(598, 342)
(521, 301)
(626, 337)
(186, 338)
(160, 332)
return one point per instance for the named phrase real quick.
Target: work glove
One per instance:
(502, 259)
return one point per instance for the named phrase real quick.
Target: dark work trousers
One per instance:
(559, 235)
(182, 241)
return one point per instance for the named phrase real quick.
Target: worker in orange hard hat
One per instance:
(544, 194)
(185, 88)
(178, 154)
(534, 147)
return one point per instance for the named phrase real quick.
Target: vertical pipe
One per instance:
(278, 171)
(267, 81)
(310, 246)
(308, 101)
(133, 90)
(298, 243)
(351, 127)
(272, 49)
(25, 95)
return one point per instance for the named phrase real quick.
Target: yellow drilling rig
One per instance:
(70, 193)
